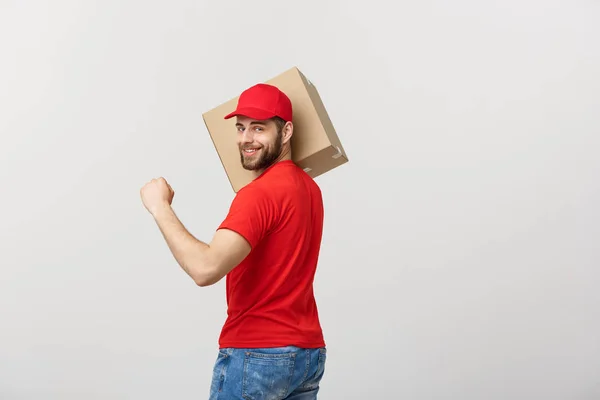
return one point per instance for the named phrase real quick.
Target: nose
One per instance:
(247, 136)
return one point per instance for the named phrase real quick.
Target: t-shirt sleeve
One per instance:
(252, 214)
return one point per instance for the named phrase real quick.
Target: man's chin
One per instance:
(250, 163)
(250, 166)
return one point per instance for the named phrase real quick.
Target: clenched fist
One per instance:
(156, 194)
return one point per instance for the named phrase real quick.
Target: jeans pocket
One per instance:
(218, 374)
(316, 371)
(322, 359)
(267, 375)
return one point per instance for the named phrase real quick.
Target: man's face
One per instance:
(259, 142)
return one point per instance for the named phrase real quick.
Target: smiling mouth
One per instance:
(250, 151)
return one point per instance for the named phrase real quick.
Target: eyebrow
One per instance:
(251, 123)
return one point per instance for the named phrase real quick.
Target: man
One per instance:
(271, 345)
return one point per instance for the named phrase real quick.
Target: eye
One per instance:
(258, 129)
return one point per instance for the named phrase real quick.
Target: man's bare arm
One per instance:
(205, 263)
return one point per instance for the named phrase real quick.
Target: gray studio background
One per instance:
(460, 256)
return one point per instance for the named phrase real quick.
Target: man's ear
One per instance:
(287, 131)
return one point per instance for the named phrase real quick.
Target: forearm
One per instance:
(190, 253)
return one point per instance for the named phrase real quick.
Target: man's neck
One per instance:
(284, 157)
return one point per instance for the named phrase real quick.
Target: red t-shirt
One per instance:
(270, 300)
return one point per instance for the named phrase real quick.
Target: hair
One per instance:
(279, 122)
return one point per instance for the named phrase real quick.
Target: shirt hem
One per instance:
(256, 345)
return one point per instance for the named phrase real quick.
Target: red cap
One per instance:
(263, 101)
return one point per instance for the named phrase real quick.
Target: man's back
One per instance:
(270, 294)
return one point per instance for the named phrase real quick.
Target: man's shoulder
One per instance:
(253, 189)
(260, 191)
(280, 182)
(290, 180)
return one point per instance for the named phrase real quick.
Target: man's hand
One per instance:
(156, 195)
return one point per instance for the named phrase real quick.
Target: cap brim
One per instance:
(254, 113)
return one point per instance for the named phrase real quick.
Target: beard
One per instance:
(268, 155)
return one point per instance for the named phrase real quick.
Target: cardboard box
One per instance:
(316, 146)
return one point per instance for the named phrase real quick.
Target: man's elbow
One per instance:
(204, 282)
(208, 277)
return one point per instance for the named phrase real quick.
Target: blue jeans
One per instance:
(268, 373)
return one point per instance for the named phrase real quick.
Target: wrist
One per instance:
(161, 210)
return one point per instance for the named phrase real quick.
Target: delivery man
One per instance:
(271, 345)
